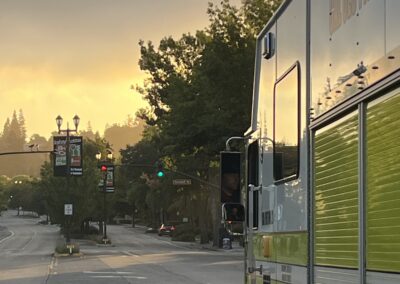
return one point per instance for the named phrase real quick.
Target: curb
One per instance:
(79, 254)
(193, 245)
(105, 245)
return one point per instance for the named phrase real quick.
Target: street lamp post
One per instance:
(19, 207)
(104, 170)
(59, 121)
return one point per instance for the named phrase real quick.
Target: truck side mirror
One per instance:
(233, 212)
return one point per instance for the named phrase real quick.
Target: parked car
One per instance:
(166, 229)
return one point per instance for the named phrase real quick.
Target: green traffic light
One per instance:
(160, 174)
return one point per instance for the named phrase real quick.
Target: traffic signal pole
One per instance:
(172, 171)
(104, 169)
(105, 207)
(68, 218)
(26, 152)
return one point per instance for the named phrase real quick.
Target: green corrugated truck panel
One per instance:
(383, 185)
(336, 194)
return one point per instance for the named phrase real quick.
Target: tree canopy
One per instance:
(200, 86)
(199, 91)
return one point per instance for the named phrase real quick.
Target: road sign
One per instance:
(181, 181)
(68, 209)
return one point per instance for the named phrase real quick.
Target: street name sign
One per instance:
(181, 181)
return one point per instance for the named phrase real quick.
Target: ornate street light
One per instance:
(76, 120)
(59, 121)
(109, 155)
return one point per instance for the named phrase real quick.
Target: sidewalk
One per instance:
(236, 248)
(139, 229)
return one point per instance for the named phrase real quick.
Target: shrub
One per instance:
(186, 237)
(98, 239)
(184, 233)
(62, 248)
(92, 230)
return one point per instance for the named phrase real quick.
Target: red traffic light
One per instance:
(103, 168)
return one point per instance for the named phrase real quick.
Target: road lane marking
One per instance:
(116, 276)
(130, 253)
(31, 239)
(7, 238)
(108, 272)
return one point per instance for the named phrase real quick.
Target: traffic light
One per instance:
(230, 177)
(160, 170)
(103, 168)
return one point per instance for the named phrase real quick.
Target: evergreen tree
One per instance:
(21, 122)
(88, 133)
(14, 137)
(6, 128)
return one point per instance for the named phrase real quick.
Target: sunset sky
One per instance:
(81, 56)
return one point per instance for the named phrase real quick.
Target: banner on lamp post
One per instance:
(60, 155)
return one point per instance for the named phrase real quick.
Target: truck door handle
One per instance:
(255, 269)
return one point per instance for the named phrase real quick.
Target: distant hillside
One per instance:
(13, 138)
(119, 136)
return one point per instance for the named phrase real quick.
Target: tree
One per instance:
(88, 133)
(138, 161)
(20, 192)
(83, 192)
(21, 122)
(13, 138)
(200, 88)
(32, 163)
(257, 13)
(4, 192)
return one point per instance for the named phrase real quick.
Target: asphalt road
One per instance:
(25, 249)
(137, 257)
(26, 258)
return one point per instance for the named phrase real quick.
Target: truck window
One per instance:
(286, 125)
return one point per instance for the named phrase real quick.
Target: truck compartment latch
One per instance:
(254, 269)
